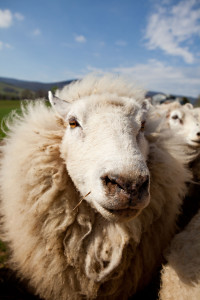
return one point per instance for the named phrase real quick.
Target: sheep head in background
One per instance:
(114, 175)
(184, 121)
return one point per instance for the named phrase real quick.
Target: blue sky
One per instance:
(155, 43)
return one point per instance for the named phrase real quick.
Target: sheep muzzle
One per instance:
(126, 194)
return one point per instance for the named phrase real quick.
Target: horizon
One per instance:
(74, 79)
(154, 43)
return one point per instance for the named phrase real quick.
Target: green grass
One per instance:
(6, 106)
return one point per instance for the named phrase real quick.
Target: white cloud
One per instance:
(4, 45)
(99, 71)
(80, 38)
(158, 76)
(19, 16)
(170, 28)
(5, 18)
(37, 32)
(102, 44)
(74, 74)
(121, 43)
(96, 54)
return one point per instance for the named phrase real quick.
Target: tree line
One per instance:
(25, 94)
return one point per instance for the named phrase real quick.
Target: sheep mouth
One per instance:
(128, 211)
(121, 205)
(195, 143)
(117, 215)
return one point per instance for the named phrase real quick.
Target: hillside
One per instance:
(32, 85)
(19, 89)
(9, 90)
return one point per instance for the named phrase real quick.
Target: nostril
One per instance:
(145, 183)
(117, 184)
(109, 180)
(144, 186)
(198, 134)
(111, 184)
(140, 186)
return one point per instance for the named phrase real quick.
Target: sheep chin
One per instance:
(121, 215)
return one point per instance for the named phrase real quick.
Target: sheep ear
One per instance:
(146, 104)
(59, 105)
(189, 106)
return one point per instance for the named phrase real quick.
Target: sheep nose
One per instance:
(126, 193)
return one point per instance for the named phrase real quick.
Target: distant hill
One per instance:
(33, 85)
(19, 89)
(153, 93)
(9, 90)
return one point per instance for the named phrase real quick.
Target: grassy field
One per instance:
(10, 90)
(6, 106)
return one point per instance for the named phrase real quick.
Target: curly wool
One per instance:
(181, 276)
(68, 253)
(107, 84)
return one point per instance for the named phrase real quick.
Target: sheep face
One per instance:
(186, 123)
(105, 153)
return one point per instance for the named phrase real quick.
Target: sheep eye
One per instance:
(175, 117)
(73, 123)
(142, 126)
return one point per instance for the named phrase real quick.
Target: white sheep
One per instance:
(182, 119)
(184, 122)
(88, 204)
(195, 165)
(181, 276)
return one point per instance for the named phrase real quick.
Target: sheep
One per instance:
(182, 119)
(88, 203)
(195, 165)
(181, 276)
(184, 122)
